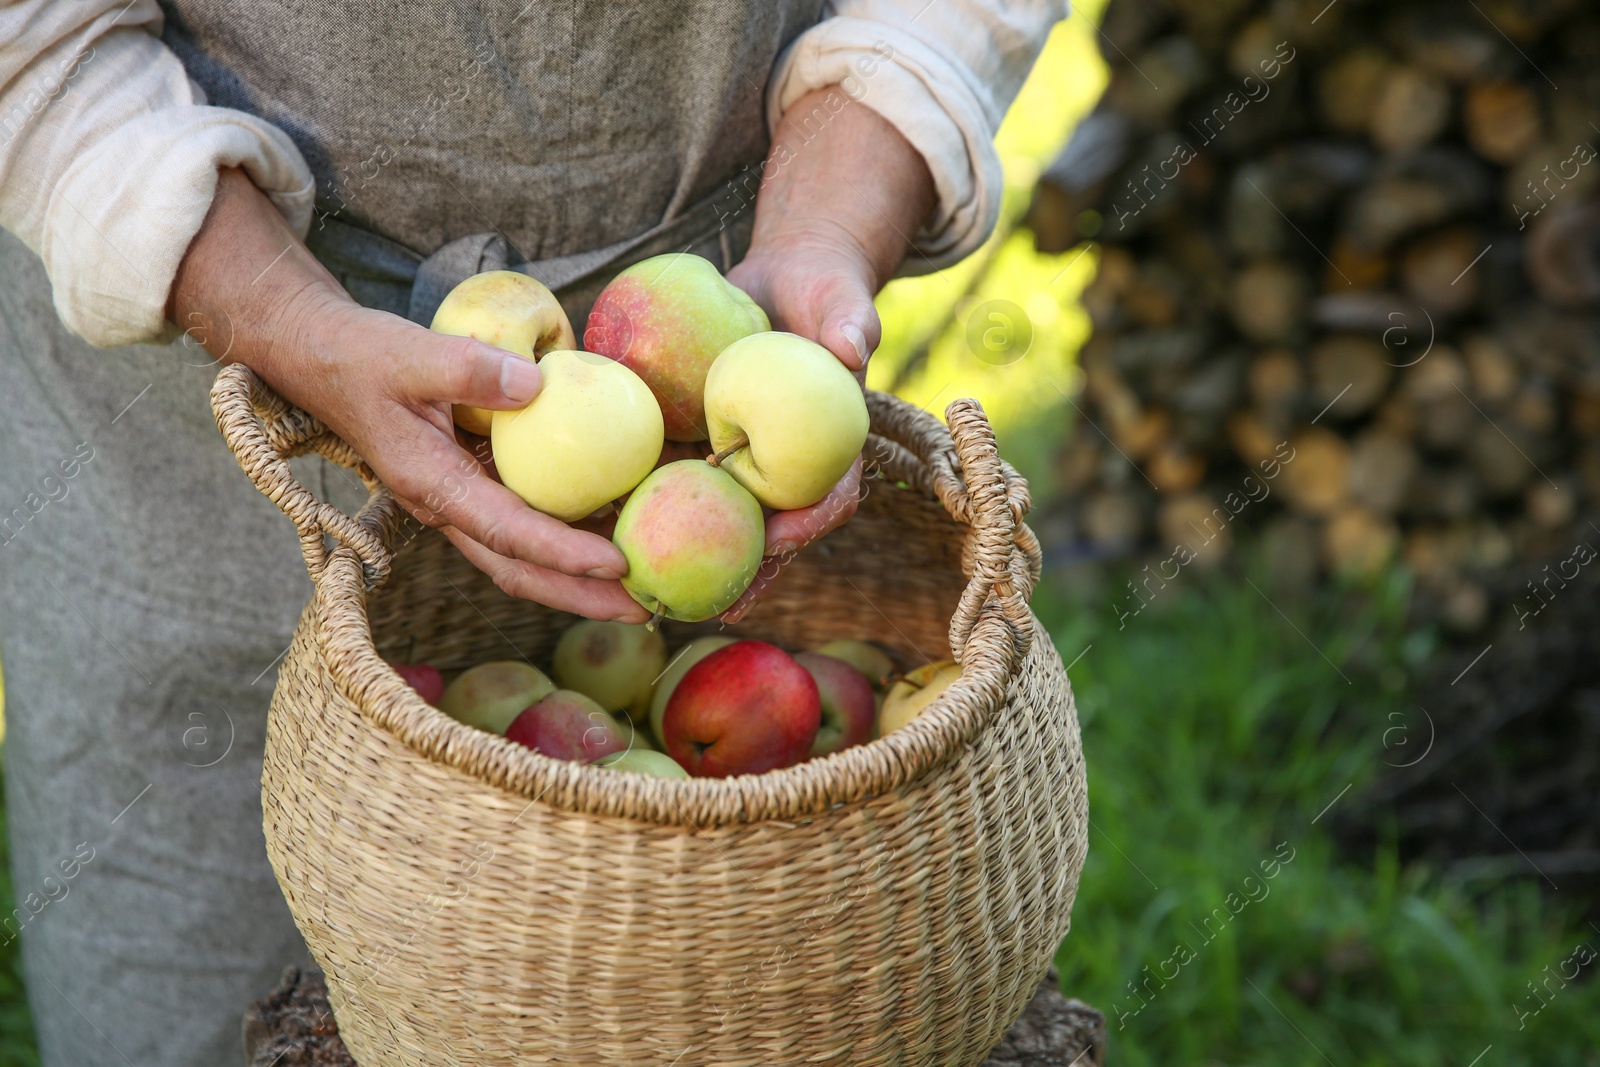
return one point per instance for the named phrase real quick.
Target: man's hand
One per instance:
(253, 294)
(842, 195)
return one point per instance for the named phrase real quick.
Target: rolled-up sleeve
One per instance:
(109, 158)
(943, 73)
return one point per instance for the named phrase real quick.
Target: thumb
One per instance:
(462, 370)
(847, 323)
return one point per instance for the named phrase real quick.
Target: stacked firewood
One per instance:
(1348, 298)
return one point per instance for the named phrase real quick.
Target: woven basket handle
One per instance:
(1004, 555)
(265, 431)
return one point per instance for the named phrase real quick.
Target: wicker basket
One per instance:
(475, 903)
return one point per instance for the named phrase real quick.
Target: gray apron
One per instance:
(147, 590)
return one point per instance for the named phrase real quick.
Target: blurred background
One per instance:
(1292, 320)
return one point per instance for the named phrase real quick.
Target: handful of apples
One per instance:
(717, 708)
(675, 352)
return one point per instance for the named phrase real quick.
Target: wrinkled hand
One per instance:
(385, 385)
(842, 195)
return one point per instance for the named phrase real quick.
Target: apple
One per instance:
(849, 706)
(592, 434)
(677, 667)
(424, 678)
(786, 418)
(510, 311)
(911, 694)
(568, 725)
(744, 709)
(490, 695)
(667, 319)
(865, 657)
(612, 663)
(693, 539)
(643, 761)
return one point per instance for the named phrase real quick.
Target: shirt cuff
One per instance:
(923, 95)
(122, 216)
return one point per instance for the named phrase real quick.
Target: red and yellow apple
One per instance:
(612, 663)
(744, 709)
(424, 678)
(667, 318)
(693, 540)
(510, 311)
(849, 706)
(490, 695)
(677, 667)
(568, 725)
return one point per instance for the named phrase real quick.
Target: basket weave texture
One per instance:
(475, 903)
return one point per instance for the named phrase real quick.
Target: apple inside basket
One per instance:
(474, 902)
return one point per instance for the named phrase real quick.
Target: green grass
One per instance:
(1215, 734)
(16, 1029)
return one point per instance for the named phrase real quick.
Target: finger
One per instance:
(593, 598)
(790, 531)
(431, 367)
(445, 486)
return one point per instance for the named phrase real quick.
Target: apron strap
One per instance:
(384, 274)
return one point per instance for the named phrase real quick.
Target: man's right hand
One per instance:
(252, 293)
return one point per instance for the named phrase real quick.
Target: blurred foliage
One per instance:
(958, 332)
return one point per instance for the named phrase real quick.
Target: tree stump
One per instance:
(294, 1027)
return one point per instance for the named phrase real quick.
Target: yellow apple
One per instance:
(592, 434)
(911, 694)
(786, 418)
(510, 311)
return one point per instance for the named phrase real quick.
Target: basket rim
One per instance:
(958, 467)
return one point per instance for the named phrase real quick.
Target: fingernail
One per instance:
(519, 379)
(607, 573)
(857, 339)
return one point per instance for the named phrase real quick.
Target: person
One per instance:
(293, 185)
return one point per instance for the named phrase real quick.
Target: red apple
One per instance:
(667, 319)
(744, 709)
(568, 725)
(849, 707)
(424, 678)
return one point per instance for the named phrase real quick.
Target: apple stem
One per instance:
(655, 620)
(716, 458)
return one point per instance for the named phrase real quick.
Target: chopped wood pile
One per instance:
(1349, 286)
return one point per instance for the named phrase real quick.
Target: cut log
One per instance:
(1113, 520)
(1563, 254)
(1436, 271)
(1269, 300)
(1412, 108)
(1175, 469)
(1317, 480)
(1349, 375)
(1350, 88)
(1200, 522)
(1381, 468)
(1359, 543)
(1494, 373)
(1501, 119)
(1276, 381)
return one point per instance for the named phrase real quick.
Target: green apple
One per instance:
(667, 318)
(490, 695)
(643, 761)
(612, 663)
(864, 656)
(786, 418)
(910, 695)
(677, 667)
(693, 540)
(592, 434)
(510, 311)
